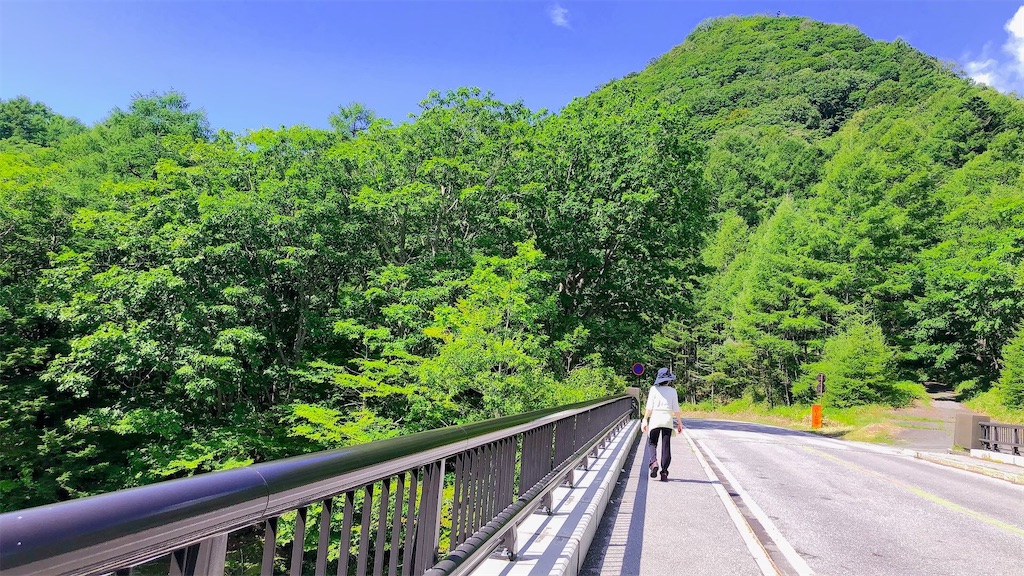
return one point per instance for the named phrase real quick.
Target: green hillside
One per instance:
(773, 198)
(866, 198)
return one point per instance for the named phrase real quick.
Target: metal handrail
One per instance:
(474, 550)
(1010, 436)
(187, 516)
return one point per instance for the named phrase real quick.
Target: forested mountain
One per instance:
(773, 198)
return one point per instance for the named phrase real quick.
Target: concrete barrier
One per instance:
(966, 432)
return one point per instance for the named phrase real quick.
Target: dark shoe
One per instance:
(664, 476)
(654, 470)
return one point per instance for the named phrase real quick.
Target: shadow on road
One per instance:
(941, 391)
(732, 426)
(687, 481)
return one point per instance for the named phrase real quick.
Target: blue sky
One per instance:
(271, 63)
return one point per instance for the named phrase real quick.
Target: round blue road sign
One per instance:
(638, 369)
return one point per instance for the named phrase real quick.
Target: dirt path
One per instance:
(929, 428)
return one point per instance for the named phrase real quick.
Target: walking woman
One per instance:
(662, 407)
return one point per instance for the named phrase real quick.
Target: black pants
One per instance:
(666, 447)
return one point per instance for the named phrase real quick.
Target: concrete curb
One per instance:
(984, 470)
(999, 457)
(575, 551)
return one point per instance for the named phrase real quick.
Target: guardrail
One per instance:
(389, 505)
(995, 436)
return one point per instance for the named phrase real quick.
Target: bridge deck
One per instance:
(681, 526)
(754, 499)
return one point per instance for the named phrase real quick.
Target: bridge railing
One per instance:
(396, 506)
(997, 437)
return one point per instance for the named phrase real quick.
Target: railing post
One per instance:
(203, 559)
(269, 547)
(382, 526)
(298, 542)
(510, 541)
(409, 550)
(363, 554)
(428, 524)
(212, 555)
(548, 502)
(183, 561)
(438, 488)
(325, 538)
(345, 539)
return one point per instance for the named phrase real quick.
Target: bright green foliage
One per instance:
(859, 369)
(784, 307)
(617, 218)
(24, 121)
(974, 294)
(1011, 382)
(749, 169)
(490, 360)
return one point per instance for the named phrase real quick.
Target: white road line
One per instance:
(755, 548)
(787, 550)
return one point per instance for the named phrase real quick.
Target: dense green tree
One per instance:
(859, 368)
(491, 357)
(618, 213)
(25, 121)
(972, 296)
(1011, 382)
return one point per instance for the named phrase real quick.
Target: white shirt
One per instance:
(663, 402)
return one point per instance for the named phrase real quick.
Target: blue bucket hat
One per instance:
(664, 376)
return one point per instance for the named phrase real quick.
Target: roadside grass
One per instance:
(991, 404)
(860, 423)
(878, 433)
(873, 423)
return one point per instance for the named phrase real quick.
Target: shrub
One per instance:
(860, 369)
(1011, 380)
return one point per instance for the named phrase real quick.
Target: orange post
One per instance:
(816, 416)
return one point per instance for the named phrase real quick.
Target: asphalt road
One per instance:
(812, 505)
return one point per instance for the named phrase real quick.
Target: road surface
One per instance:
(756, 499)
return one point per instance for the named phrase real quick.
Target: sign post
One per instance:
(816, 415)
(638, 370)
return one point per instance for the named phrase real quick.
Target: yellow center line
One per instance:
(926, 495)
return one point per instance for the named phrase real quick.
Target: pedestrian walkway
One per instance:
(682, 526)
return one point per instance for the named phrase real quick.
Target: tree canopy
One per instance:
(772, 198)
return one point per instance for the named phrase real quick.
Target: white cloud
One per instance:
(559, 16)
(984, 71)
(1015, 43)
(1003, 71)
